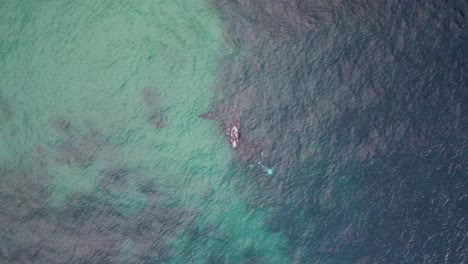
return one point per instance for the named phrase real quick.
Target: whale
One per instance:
(249, 149)
(229, 121)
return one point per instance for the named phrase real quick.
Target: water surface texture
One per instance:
(352, 117)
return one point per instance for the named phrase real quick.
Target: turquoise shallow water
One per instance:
(100, 105)
(117, 120)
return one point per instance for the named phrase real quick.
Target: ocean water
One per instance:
(352, 118)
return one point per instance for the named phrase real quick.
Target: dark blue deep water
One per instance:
(358, 110)
(366, 108)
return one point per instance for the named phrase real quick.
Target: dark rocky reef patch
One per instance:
(79, 147)
(84, 230)
(152, 101)
(5, 110)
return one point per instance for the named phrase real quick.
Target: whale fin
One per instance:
(209, 116)
(217, 113)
